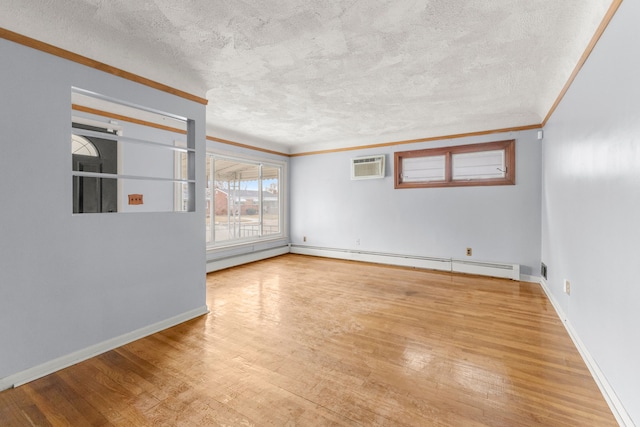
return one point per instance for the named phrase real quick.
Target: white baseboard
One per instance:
(529, 278)
(235, 260)
(52, 366)
(442, 264)
(493, 269)
(510, 271)
(616, 406)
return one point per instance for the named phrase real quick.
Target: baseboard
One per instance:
(616, 406)
(235, 260)
(441, 264)
(508, 271)
(493, 269)
(529, 278)
(52, 366)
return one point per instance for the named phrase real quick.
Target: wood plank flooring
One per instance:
(303, 341)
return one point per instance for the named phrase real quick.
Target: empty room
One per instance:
(290, 213)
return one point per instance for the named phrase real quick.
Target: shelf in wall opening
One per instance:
(118, 176)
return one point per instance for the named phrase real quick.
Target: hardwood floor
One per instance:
(302, 341)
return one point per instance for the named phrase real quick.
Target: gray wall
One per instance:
(69, 282)
(500, 223)
(591, 205)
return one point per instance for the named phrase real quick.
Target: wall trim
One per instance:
(585, 55)
(215, 264)
(616, 406)
(83, 60)
(62, 53)
(414, 141)
(54, 365)
(123, 118)
(250, 147)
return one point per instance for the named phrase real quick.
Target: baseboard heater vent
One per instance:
(442, 264)
(220, 263)
(508, 271)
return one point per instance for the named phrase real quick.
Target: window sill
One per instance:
(253, 244)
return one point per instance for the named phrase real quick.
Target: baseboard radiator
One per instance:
(507, 271)
(215, 264)
(503, 270)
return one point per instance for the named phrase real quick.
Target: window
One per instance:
(244, 200)
(147, 153)
(81, 146)
(491, 163)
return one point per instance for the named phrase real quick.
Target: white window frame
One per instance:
(211, 156)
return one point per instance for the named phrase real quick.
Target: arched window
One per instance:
(83, 147)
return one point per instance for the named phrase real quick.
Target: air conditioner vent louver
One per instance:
(367, 167)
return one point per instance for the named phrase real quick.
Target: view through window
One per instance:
(244, 201)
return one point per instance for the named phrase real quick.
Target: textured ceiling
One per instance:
(299, 75)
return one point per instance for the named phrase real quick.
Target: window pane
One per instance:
(236, 205)
(83, 147)
(210, 200)
(478, 165)
(418, 169)
(270, 200)
(245, 200)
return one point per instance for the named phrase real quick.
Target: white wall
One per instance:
(591, 205)
(500, 223)
(142, 160)
(69, 282)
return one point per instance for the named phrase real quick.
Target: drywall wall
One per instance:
(591, 205)
(499, 223)
(140, 160)
(69, 282)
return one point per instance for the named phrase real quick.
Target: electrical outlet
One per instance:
(357, 242)
(567, 287)
(469, 251)
(304, 239)
(135, 199)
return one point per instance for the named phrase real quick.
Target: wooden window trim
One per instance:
(509, 146)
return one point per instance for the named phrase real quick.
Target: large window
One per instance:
(491, 163)
(244, 200)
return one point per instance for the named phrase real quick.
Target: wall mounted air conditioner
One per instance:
(369, 167)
